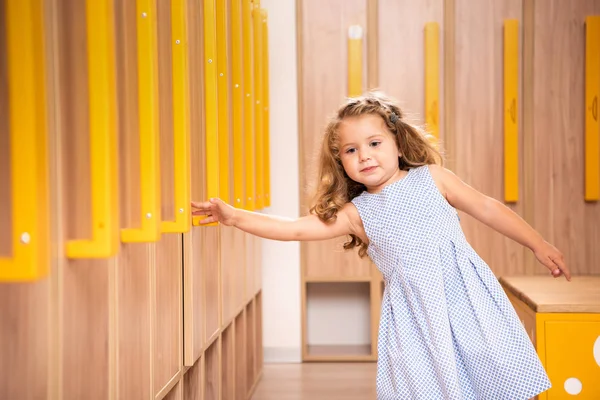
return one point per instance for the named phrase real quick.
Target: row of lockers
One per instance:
(123, 82)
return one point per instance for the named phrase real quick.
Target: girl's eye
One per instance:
(350, 151)
(375, 144)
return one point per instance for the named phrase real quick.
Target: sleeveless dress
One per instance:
(447, 329)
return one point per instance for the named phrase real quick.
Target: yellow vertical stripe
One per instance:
(147, 62)
(238, 103)
(249, 138)
(103, 135)
(592, 125)
(511, 108)
(259, 104)
(181, 123)
(355, 36)
(223, 98)
(28, 142)
(266, 128)
(432, 78)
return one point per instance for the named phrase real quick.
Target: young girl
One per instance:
(447, 329)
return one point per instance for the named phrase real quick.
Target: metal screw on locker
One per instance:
(25, 238)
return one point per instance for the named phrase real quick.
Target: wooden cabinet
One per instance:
(563, 321)
(107, 320)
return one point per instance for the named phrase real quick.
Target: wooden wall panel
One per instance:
(194, 241)
(192, 382)
(176, 393)
(239, 294)
(323, 77)
(85, 328)
(228, 272)
(24, 308)
(228, 363)
(250, 364)
(85, 285)
(24, 326)
(168, 305)
(211, 281)
(193, 297)
(258, 256)
(401, 34)
(134, 321)
(556, 204)
(478, 123)
(135, 270)
(250, 266)
(212, 369)
(240, 356)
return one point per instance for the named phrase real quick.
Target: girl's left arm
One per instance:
(499, 217)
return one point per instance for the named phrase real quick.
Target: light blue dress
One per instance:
(447, 329)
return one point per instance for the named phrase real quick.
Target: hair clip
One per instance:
(394, 118)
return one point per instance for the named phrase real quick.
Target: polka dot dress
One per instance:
(447, 329)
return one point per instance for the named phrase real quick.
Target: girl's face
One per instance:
(368, 151)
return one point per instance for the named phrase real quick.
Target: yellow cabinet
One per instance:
(563, 321)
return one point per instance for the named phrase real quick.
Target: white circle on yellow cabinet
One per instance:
(597, 350)
(573, 386)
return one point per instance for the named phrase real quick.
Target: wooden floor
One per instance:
(318, 381)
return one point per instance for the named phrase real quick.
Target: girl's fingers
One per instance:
(208, 220)
(562, 268)
(201, 212)
(201, 204)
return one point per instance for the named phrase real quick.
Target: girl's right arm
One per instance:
(272, 227)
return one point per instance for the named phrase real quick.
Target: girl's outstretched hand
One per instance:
(552, 259)
(216, 210)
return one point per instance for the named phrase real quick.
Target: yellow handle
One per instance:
(103, 135)
(210, 101)
(223, 98)
(355, 35)
(181, 123)
(249, 137)
(238, 104)
(511, 115)
(592, 124)
(28, 142)
(259, 104)
(266, 130)
(432, 78)
(150, 195)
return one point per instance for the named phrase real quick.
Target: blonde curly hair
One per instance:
(335, 188)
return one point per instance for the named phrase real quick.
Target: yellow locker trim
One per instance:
(28, 142)
(223, 99)
(432, 78)
(511, 108)
(249, 136)
(355, 35)
(259, 104)
(181, 122)
(238, 104)
(266, 105)
(542, 344)
(103, 135)
(210, 101)
(150, 196)
(592, 125)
